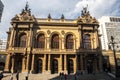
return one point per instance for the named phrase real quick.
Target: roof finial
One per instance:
(85, 11)
(27, 6)
(62, 17)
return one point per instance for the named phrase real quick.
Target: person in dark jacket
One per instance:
(1, 75)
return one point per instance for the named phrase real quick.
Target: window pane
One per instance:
(55, 41)
(69, 41)
(87, 41)
(41, 41)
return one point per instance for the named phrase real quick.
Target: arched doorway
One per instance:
(54, 66)
(39, 66)
(70, 66)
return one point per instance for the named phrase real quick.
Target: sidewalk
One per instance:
(112, 75)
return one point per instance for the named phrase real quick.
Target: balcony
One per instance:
(88, 50)
(18, 49)
(38, 50)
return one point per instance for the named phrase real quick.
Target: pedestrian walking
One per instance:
(17, 76)
(65, 76)
(1, 75)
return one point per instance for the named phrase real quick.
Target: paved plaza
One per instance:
(97, 76)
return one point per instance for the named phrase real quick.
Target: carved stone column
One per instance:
(48, 43)
(32, 65)
(23, 63)
(27, 63)
(7, 63)
(75, 64)
(63, 43)
(65, 63)
(30, 36)
(11, 37)
(60, 63)
(44, 63)
(12, 68)
(49, 61)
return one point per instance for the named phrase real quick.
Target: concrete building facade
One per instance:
(109, 26)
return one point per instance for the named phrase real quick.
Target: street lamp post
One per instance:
(114, 54)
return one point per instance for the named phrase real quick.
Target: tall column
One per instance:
(75, 64)
(11, 37)
(27, 63)
(30, 37)
(32, 65)
(49, 56)
(81, 61)
(7, 63)
(48, 43)
(65, 63)
(44, 63)
(12, 68)
(60, 63)
(23, 64)
(63, 43)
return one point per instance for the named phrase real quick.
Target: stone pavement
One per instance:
(97, 76)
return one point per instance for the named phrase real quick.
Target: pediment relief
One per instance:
(86, 18)
(25, 15)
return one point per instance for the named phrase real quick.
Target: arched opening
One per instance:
(54, 66)
(22, 40)
(41, 41)
(69, 41)
(39, 66)
(86, 41)
(55, 41)
(70, 66)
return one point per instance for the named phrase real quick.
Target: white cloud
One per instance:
(70, 8)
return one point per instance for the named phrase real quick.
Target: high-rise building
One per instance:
(109, 26)
(47, 45)
(3, 43)
(1, 9)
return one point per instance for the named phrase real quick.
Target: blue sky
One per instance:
(70, 8)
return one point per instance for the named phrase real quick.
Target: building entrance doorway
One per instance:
(18, 63)
(90, 66)
(70, 66)
(54, 66)
(39, 66)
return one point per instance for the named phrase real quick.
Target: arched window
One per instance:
(41, 41)
(55, 41)
(69, 41)
(86, 41)
(22, 40)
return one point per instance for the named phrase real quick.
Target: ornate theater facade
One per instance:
(47, 45)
